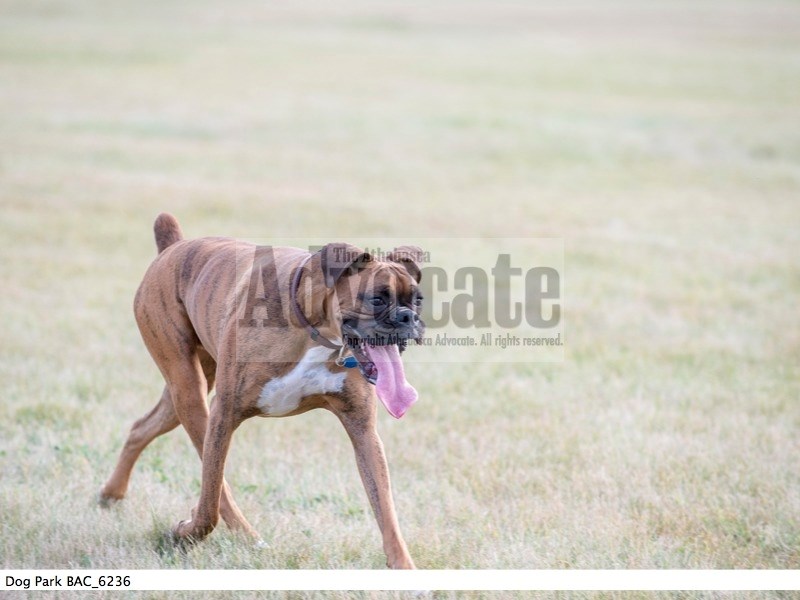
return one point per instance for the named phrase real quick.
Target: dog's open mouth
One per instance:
(380, 363)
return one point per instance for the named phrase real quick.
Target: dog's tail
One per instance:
(167, 231)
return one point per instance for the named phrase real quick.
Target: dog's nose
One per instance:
(406, 316)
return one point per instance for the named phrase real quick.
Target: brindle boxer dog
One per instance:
(325, 311)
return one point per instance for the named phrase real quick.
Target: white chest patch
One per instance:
(310, 376)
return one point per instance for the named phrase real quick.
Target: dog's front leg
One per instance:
(217, 441)
(360, 424)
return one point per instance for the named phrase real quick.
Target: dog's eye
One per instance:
(377, 301)
(418, 301)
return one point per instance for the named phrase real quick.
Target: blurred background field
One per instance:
(661, 140)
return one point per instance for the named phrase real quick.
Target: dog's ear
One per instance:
(411, 257)
(324, 268)
(339, 259)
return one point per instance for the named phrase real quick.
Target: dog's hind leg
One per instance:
(229, 511)
(159, 420)
(188, 388)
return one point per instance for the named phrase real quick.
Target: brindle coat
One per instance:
(189, 311)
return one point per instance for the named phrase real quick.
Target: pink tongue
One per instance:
(394, 391)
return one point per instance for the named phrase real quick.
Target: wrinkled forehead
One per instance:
(396, 278)
(381, 276)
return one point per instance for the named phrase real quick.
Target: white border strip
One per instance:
(399, 580)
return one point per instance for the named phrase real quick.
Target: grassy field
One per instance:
(659, 139)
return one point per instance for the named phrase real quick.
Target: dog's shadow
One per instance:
(169, 547)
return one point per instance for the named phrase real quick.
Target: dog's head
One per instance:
(376, 304)
(378, 301)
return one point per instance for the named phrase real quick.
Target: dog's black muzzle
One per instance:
(397, 327)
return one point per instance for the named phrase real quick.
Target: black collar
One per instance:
(298, 312)
(366, 366)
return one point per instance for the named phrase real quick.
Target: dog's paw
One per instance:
(167, 544)
(104, 501)
(171, 541)
(189, 532)
(183, 532)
